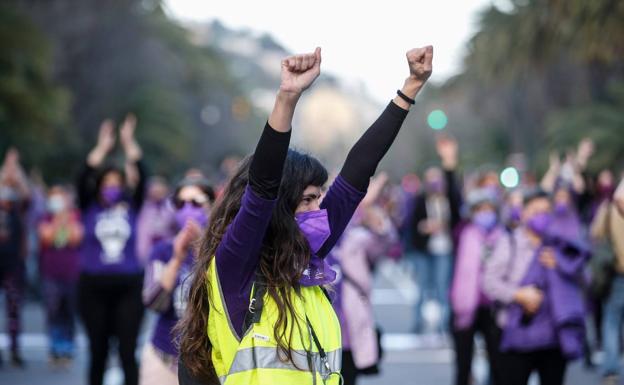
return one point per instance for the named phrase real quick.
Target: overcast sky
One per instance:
(363, 41)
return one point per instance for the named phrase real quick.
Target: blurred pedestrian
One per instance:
(536, 277)
(472, 310)
(155, 222)
(511, 212)
(14, 201)
(60, 234)
(165, 288)
(366, 240)
(608, 227)
(436, 213)
(111, 276)
(566, 220)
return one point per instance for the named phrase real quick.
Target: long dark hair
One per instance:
(283, 257)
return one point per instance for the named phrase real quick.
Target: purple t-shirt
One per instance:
(162, 338)
(238, 254)
(109, 241)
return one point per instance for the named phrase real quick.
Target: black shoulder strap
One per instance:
(256, 303)
(254, 313)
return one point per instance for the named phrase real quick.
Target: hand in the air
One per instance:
(106, 136)
(420, 63)
(300, 71)
(126, 131)
(554, 160)
(127, 138)
(447, 149)
(586, 148)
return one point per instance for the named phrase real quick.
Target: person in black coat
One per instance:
(435, 214)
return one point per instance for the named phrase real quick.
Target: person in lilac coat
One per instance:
(367, 238)
(471, 308)
(111, 276)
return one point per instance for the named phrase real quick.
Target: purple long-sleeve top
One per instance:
(238, 254)
(169, 305)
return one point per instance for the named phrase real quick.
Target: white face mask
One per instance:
(8, 194)
(56, 204)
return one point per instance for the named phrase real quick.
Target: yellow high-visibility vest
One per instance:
(254, 359)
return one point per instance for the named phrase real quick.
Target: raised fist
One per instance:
(420, 63)
(300, 71)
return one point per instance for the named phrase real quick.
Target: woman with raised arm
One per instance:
(257, 311)
(111, 276)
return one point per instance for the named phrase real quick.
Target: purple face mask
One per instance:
(561, 209)
(485, 219)
(494, 192)
(539, 223)
(190, 212)
(111, 194)
(515, 213)
(435, 186)
(315, 227)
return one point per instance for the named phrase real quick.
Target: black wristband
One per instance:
(405, 97)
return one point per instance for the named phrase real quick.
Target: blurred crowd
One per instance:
(536, 270)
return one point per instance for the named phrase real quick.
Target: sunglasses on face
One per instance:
(196, 202)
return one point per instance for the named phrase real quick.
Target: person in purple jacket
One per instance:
(536, 278)
(271, 225)
(111, 276)
(164, 288)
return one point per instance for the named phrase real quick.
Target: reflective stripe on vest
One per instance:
(254, 359)
(268, 358)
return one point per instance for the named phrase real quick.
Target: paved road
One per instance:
(410, 359)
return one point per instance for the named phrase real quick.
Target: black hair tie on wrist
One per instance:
(405, 97)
